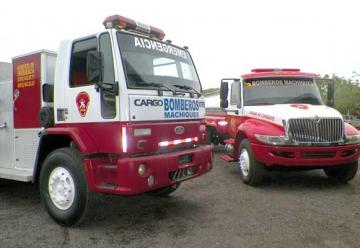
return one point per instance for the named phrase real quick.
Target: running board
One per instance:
(227, 158)
(16, 174)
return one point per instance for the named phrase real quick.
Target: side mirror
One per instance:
(224, 90)
(94, 67)
(330, 94)
(224, 103)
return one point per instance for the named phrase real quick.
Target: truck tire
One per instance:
(344, 173)
(251, 171)
(63, 187)
(164, 192)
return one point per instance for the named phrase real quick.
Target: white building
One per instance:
(212, 100)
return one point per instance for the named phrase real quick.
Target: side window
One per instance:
(78, 61)
(235, 94)
(108, 99)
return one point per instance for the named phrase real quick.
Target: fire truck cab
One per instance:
(118, 112)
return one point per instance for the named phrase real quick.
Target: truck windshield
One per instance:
(150, 64)
(268, 91)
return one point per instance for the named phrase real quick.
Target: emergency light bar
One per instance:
(121, 22)
(274, 69)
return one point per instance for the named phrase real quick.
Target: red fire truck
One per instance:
(276, 119)
(118, 112)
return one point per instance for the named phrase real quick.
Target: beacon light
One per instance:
(121, 22)
(274, 69)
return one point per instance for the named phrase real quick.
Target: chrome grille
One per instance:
(316, 130)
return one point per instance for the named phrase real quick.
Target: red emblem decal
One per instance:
(82, 103)
(299, 106)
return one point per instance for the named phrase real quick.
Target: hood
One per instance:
(279, 112)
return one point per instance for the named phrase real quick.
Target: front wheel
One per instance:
(343, 173)
(63, 187)
(251, 171)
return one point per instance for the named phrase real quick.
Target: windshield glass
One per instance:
(268, 91)
(148, 63)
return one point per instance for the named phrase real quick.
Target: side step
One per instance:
(227, 158)
(16, 174)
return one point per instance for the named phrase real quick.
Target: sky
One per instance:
(226, 38)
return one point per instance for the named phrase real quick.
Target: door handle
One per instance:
(3, 126)
(16, 96)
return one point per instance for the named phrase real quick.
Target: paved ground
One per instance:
(302, 209)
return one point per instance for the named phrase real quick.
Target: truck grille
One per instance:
(316, 130)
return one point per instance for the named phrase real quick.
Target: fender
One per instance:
(250, 127)
(64, 134)
(82, 140)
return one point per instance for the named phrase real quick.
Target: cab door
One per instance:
(235, 109)
(88, 102)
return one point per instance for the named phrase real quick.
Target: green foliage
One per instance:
(347, 93)
(210, 90)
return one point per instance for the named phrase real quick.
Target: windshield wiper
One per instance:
(185, 87)
(160, 86)
(260, 103)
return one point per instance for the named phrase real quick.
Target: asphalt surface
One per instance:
(297, 209)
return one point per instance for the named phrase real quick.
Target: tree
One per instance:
(347, 93)
(210, 90)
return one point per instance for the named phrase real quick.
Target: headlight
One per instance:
(271, 140)
(352, 139)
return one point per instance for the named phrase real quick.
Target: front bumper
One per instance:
(306, 156)
(120, 176)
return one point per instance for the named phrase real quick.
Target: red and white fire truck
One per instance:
(275, 118)
(118, 112)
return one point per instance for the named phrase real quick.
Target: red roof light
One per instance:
(274, 69)
(121, 22)
(284, 72)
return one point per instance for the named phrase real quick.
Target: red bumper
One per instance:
(120, 176)
(306, 156)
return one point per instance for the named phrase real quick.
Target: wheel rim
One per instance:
(244, 162)
(61, 188)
